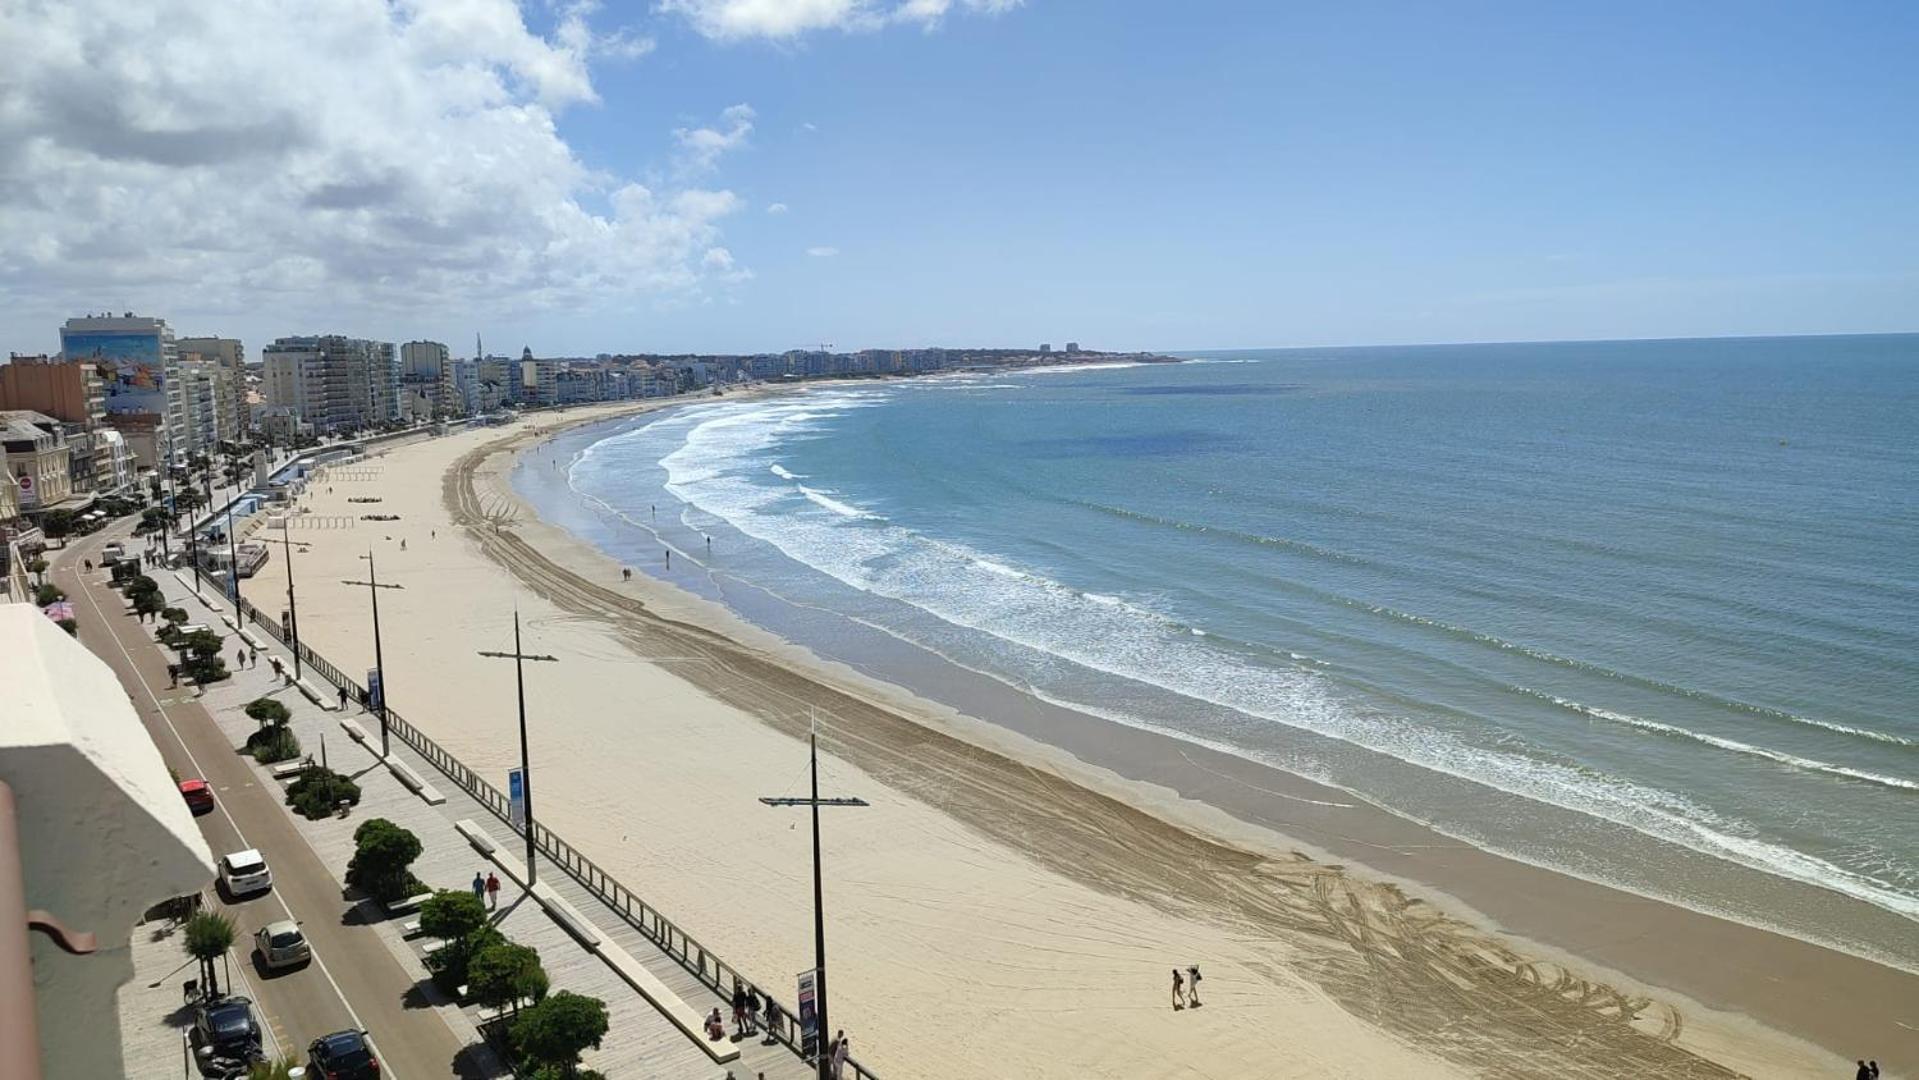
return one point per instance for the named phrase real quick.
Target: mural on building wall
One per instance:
(131, 369)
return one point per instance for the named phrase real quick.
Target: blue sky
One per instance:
(1234, 174)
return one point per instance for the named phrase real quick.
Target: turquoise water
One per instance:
(1636, 610)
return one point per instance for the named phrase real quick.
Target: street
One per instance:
(353, 980)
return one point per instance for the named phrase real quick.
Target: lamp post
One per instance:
(293, 613)
(819, 912)
(519, 657)
(373, 585)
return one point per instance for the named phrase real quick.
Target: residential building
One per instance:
(202, 393)
(539, 380)
(1045, 348)
(332, 382)
(102, 836)
(425, 380)
(230, 415)
(1072, 348)
(134, 356)
(69, 391)
(38, 463)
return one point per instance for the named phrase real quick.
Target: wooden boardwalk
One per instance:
(641, 1041)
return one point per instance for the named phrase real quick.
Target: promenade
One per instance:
(586, 945)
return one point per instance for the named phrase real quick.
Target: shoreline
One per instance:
(1419, 974)
(1222, 797)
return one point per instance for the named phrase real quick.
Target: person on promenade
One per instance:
(715, 1027)
(479, 886)
(1192, 986)
(253, 657)
(239, 658)
(492, 889)
(342, 699)
(840, 1052)
(626, 574)
(772, 1023)
(739, 1011)
(752, 1012)
(1179, 991)
(173, 672)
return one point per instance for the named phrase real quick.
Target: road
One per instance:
(353, 981)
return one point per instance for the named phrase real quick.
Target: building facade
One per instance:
(39, 466)
(333, 383)
(134, 356)
(228, 355)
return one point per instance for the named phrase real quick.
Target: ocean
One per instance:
(1644, 612)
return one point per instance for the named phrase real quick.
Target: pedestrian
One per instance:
(1874, 1066)
(253, 657)
(403, 544)
(772, 1022)
(739, 1012)
(173, 672)
(88, 563)
(626, 574)
(479, 886)
(1192, 986)
(239, 659)
(342, 699)
(492, 889)
(669, 558)
(840, 1052)
(1864, 1073)
(274, 663)
(752, 1012)
(715, 1027)
(1179, 991)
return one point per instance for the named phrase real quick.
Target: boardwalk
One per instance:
(641, 1041)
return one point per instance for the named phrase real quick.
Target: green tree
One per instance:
(71, 626)
(504, 973)
(209, 936)
(458, 918)
(37, 566)
(48, 594)
(174, 616)
(202, 662)
(554, 1033)
(266, 710)
(382, 855)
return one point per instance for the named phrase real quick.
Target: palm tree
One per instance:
(209, 936)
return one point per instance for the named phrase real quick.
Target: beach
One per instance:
(1005, 906)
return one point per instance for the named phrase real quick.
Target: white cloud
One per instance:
(701, 147)
(732, 20)
(339, 156)
(776, 208)
(822, 252)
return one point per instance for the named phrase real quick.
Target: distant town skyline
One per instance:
(727, 177)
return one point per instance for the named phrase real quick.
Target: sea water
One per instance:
(1640, 611)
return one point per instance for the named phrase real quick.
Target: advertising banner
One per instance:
(809, 1017)
(516, 798)
(375, 692)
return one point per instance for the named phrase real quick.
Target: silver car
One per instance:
(282, 945)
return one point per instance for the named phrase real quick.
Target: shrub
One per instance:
(48, 594)
(123, 572)
(270, 745)
(552, 1034)
(459, 919)
(382, 853)
(318, 791)
(208, 936)
(70, 626)
(149, 603)
(173, 615)
(268, 710)
(503, 974)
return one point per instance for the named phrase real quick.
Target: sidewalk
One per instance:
(642, 1040)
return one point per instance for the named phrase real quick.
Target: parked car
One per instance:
(225, 1036)
(112, 553)
(245, 872)
(282, 945)
(343, 1055)
(198, 794)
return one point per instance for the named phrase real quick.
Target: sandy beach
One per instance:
(1005, 908)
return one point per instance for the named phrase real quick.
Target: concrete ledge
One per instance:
(568, 916)
(325, 701)
(287, 770)
(476, 836)
(354, 731)
(252, 639)
(409, 905)
(669, 1004)
(229, 620)
(413, 781)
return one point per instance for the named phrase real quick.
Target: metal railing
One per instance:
(676, 943)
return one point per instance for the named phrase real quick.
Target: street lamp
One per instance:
(379, 663)
(819, 912)
(519, 657)
(293, 613)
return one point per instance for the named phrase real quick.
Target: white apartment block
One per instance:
(332, 382)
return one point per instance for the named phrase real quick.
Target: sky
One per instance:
(759, 175)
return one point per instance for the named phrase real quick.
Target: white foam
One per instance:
(721, 468)
(783, 473)
(847, 510)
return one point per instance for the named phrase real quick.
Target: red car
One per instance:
(198, 795)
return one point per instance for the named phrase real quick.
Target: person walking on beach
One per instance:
(1864, 1073)
(1192, 986)
(492, 890)
(1179, 991)
(669, 558)
(626, 574)
(479, 886)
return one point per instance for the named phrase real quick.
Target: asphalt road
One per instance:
(353, 981)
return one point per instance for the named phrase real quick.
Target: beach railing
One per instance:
(683, 947)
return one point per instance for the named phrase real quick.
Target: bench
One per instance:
(568, 916)
(354, 731)
(432, 947)
(287, 770)
(669, 1004)
(414, 782)
(410, 928)
(408, 906)
(329, 702)
(478, 837)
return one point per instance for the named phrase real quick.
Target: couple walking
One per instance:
(486, 888)
(1186, 988)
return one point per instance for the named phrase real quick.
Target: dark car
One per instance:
(198, 795)
(225, 1031)
(343, 1055)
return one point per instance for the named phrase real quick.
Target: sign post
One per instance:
(516, 798)
(375, 691)
(809, 1017)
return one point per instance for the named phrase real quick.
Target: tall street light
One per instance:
(373, 588)
(519, 658)
(823, 1059)
(293, 613)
